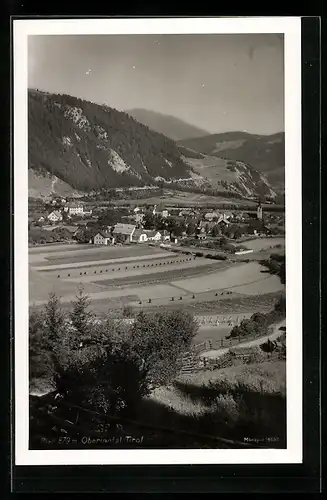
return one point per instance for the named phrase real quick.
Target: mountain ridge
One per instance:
(168, 125)
(265, 153)
(87, 146)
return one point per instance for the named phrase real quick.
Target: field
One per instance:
(171, 198)
(141, 277)
(263, 243)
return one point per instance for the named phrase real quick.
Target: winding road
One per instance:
(273, 335)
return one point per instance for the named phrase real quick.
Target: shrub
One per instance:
(107, 365)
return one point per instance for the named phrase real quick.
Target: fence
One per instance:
(219, 320)
(192, 362)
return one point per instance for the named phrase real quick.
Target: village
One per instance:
(65, 220)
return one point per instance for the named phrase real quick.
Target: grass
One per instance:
(236, 403)
(238, 304)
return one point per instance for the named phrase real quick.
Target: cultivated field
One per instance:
(263, 243)
(143, 276)
(171, 198)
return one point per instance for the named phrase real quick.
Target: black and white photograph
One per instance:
(158, 241)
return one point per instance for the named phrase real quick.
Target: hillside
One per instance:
(167, 125)
(43, 184)
(264, 153)
(90, 146)
(228, 175)
(82, 146)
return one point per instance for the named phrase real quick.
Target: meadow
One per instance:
(146, 277)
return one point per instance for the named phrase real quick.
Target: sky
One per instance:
(219, 83)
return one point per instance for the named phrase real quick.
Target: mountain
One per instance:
(75, 145)
(170, 126)
(92, 146)
(43, 184)
(265, 153)
(231, 176)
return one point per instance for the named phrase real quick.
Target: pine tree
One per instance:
(54, 319)
(80, 316)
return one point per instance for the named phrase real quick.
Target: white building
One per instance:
(164, 214)
(74, 209)
(55, 216)
(140, 236)
(124, 231)
(103, 238)
(153, 235)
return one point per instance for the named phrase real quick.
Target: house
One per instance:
(136, 210)
(41, 219)
(153, 235)
(165, 235)
(201, 233)
(103, 238)
(140, 236)
(138, 217)
(74, 209)
(87, 212)
(124, 232)
(223, 220)
(55, 216)
(164, 213)
(211, 215)
(72, 229)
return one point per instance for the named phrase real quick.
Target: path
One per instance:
(273, 335)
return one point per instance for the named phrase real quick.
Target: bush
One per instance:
(219, 257)
(107, 365)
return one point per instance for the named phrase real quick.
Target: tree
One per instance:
(54, 319)
(149, 220)
(191, 228)
(40, 351)
(158, 340)
(215, 231)
(280, 305)
(80, 316)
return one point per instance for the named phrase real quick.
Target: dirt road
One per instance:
(273, 335)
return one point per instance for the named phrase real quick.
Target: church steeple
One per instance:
(259, 211)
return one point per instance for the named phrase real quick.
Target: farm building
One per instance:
(103, 238)
(55, 216)
(124, 231)
(153, 235)
(139, 236)
(211, 215)
(223, 219)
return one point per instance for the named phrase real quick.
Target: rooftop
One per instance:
(124, 228)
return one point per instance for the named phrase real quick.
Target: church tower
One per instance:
(259, 211)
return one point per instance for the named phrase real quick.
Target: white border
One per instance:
(291, 27)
